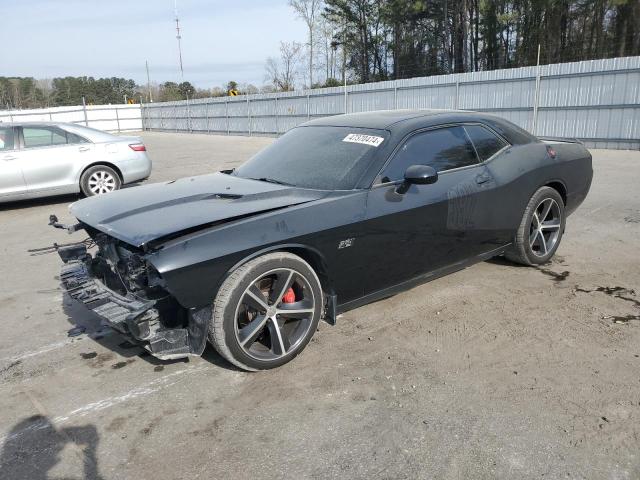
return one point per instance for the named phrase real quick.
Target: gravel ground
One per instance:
(496, 371)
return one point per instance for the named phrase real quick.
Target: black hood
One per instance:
(139, 215)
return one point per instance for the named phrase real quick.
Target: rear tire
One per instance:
(266, 311)
(98, 180)
(540, 230)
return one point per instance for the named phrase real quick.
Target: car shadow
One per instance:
(33, 447)
(85, 322)
(38, 202)
(53, 199)
(503, 262)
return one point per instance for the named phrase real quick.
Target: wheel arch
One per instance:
(309, 254)
(106, 164)
(560, 187)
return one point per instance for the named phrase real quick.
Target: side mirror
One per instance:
(418, 175)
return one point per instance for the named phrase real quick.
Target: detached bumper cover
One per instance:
(131, 316)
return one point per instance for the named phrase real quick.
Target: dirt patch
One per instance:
(557, 277)
(621, 318)
(10, 366)
(99, 360)
(622, 293)
(148, 430)
(119, 365)
(618, 292)
(116, 424)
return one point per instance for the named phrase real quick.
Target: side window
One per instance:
(485, 141)
(43, 137)
(442, 149)
(72, 138)
(6, 139)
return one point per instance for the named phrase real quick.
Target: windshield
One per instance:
(326, 158)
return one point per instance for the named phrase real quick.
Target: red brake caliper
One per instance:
(289, 296)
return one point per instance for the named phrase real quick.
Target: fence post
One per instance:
(84, 110)
(395, 97)
(536, 98)
(118, 120)
(308, 107)
(457, 104)
(226, 112)
(175, 115)
(188, 115)
(345, 98)
(206, 116)
(276, 111)
(144, 118)
(249, 113)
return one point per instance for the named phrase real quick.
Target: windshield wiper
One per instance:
(273, 180)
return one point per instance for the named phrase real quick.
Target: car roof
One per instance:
(91, 133)
(380, 119)
(401, 122)
(35, 122)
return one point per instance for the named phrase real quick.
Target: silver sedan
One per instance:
(43, 159)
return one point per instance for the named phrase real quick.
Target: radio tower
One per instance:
(178, 37)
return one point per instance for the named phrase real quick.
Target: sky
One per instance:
(221, 40)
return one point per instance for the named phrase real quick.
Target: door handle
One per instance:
(483, 178)
(83, 149)
(8, 158)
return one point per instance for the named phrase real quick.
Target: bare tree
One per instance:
(308, 11)
(282, 72)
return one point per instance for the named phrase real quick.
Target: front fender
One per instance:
(194, 266)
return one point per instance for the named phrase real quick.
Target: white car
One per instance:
(43, 159)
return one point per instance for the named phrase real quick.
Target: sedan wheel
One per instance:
(99, 180)
(102, 182)
(266, 311)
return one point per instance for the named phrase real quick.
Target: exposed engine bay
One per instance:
(114, 280)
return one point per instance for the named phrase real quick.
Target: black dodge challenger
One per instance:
(338, 212)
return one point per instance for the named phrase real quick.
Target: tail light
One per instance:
(138, 147)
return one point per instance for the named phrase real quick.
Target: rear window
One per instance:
(72, 138)
(486, 142)
(43, 137)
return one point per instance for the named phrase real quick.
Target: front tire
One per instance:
(266, 311)
(98, 180)
(540, 230)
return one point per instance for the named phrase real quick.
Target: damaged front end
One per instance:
(115, 281)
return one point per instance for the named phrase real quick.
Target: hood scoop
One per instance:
(172, 203)
(226, 196)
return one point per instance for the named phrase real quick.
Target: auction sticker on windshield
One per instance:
(371, 140)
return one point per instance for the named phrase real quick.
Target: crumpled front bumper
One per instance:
(132, 316)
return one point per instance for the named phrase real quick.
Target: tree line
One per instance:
(372, 40)
(28, 92)
(356, 41)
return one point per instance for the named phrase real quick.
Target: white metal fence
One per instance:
(595, 101)
(110, 118)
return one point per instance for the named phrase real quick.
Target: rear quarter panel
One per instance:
(132, 165)
(523, 169)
